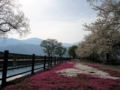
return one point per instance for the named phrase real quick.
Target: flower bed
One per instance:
(70, 76)
(111, 72)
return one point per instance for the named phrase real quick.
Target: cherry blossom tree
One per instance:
(12, 19)
(105, 32)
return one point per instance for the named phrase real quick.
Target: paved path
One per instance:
(110, 67)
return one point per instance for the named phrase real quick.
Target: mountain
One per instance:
(35, 41)
(66, 44)
(10, 41)
(24, 49)
(28, 46)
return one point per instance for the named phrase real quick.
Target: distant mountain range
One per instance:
(12, 41)
(28, 46)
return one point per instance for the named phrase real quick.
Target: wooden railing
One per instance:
(11, 61)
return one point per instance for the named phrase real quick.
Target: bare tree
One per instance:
(71, 51)
(12, 19)
(49, 46)
(60, 50)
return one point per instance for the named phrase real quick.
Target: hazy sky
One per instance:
(58, 19)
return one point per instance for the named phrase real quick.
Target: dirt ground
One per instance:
(110, 67)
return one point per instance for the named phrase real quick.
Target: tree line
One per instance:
(54, 48)
(104, 40)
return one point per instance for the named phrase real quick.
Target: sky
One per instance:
(58, 19)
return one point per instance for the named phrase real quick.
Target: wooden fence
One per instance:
(11, 61)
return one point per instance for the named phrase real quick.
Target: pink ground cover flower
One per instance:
(111, 72)
(50, 80)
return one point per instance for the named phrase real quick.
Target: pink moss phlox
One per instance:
(11, 87)
(50, 80)
(111, 72)
(64, 66)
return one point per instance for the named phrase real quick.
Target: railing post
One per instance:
(4, 72)
(54, 60)
(48, 60)
(57, 60)
(60, 60)
(44, 62)
(33, 63)
(51, 61)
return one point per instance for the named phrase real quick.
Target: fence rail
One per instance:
(11, 61)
